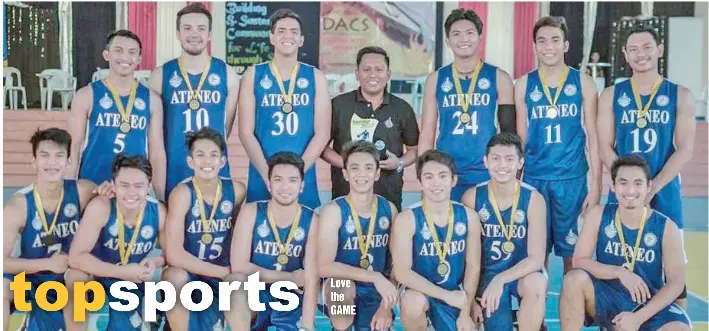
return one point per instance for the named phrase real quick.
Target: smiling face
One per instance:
(131, 187)
(206, 159)
(550, 45)
(285, 184)
(194, 33)
(631, 187)
(361, 172)
(286, 36)
(642, 52)
(503, 162)
(437, 181)
(123, 55)
(463, 39)
(373, 73)
(50, 161)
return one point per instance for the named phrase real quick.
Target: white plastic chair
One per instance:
(12, 86)
(346, 83)
(63, 84)
(99, 74)
(418, 95)
(44, 78)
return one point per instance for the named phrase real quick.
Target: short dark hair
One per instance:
(505, 139)
(642, 28)
(372, 50)
(134, 161)
(206, 133)
(284, 13)
(194, 8)
(359, 146)
(286, 158)
(58, 136)
(632, 160)
(463, 14)
(555, 22)
(433, 155)
(126, 34)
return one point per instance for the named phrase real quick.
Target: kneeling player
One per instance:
(45, 216)
(117, 235)
(514, 233)
(199, 229)
(624, 287)
(276, 238)
(358, 252)
(440, 278)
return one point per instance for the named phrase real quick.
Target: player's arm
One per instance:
(155, 81)
(429, 115)
(247, 123)
(590, 110)
(685, 128)
(312, 281)
(329, 154)
(506, 114)
(174, 248)
(673, 260)
(606, 128)
(472, 260)
(586, 247)
(402, 238)
(521, 107)
(156, 146)
(92, 222)
(232, 99)
(87, 192)
(78, 118)
(14, 218)
(330, 221)
(239, 193)
(323, 114)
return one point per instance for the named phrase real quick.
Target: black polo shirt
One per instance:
(396, 127)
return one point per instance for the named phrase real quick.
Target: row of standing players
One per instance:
(277, 114)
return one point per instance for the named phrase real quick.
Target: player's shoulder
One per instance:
(181, 191)
(607, 93)
(85, 92)
(18, 201)
(99, 203)
(332, 206)
(501, 73)
(522, 80)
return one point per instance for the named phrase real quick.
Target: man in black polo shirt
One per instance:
(371, 113)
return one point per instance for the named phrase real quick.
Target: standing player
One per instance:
(117, 235)
(117, 115)
(45, 216)
(197, 90)
(460, 102)
(515, 238)
(358, 252)
(436, 252)
(199, 228)
(639, 268)
(556, 108)
(276, 238)
(284, 106)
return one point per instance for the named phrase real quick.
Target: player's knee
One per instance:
(675, 326)
(535, 285)
(73, 276)
(412, 304)
(349, 292)
(6, 293)
(178, 277)
(575, 279)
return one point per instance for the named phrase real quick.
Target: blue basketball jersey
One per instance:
(264, 248)
(425, 259)
(494, 259)
(649, 262)
(556, 147)
(180, 119)
(655, 142)
(348, 245)
(104, 139)
(217, 252)
(466, 142)
(107, 244)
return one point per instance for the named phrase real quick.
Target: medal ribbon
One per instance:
(125, 112)
(363, 245)
(631, 261)
(279, 80)
(459, 89)
(186, 77)
(441, 252)
(123, 253)
(507, 232)
(642, 111)
(200, 204)
(559, 86)
(294, 226)
(40, 210)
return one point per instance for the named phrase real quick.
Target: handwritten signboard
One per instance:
(247, 32)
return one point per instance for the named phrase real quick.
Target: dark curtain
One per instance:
(608, 13)
(92, 22)
(573, 13)
(33, 43)
(620, 33)
(673, 9)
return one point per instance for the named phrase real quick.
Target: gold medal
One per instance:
(364, 263)
(194, 104)
(630, 261)
(364, 243)
(123, 252)
(641, 122)
(49, 240)
(508, 247)
(465, 118)
(124, 127)
(442, 269)
(48, 228)
(207, 238)
(552, 112)
(282, 259)
(287, 107)
(464, 98)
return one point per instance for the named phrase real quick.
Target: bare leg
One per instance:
(577, 298)
(341, 322)
(532, 289)
(6, 301)
(240, 316)
(178, 316)
(72, 276)
(413, 306)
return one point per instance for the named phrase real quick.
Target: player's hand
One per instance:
(477, 314)
(58, 263)
(391, 163)
(149, 265)
(650, 194)
(464, 323)
(133, 272)
(456, 299)
(626, 321)
(382, 319)
(592, 198)
(298, 277)
(387, 290)
(106, 189)
(491, 297)
(639, 291)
